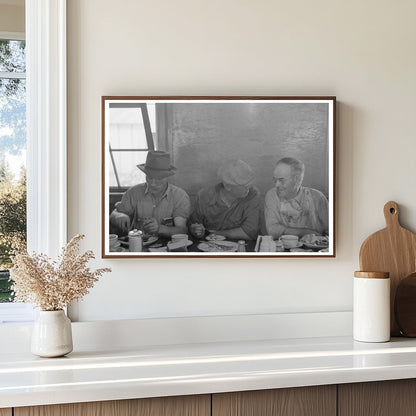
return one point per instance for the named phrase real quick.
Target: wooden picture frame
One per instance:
(218, 146)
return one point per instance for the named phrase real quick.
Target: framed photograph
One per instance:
(218, 177)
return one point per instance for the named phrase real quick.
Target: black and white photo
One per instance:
(218, 176)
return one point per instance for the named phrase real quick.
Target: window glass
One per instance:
(128, 172)
(12, 157)
(132, 133)
(127, 136)
(12, 55)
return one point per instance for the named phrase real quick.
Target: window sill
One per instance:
(16, 313)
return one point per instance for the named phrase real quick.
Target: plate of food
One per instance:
(214, 237)
(315, 241)
(188, 243)
(162, 249)
(148, 240)
(218, 246)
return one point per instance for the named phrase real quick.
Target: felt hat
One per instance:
(157, 165)
(236, 172)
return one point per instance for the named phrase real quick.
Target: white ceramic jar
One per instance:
(52, 334)
(371, 307)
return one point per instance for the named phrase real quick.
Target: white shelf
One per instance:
(150, 371)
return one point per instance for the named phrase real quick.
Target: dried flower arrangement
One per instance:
(52, 285)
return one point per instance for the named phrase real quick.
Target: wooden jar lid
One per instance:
(372, 275)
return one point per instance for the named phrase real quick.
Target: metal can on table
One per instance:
(135, 240)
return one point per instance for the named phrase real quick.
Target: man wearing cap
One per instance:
(231, 208)
(291, 208)
(146, 205)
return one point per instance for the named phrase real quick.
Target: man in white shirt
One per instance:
(291, 208)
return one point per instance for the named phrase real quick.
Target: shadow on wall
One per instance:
(201, 136)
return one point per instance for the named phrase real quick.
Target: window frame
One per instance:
(46, 125)
(149, 140)
(12, 35)
(46, 118)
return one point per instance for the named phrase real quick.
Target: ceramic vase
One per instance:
(52, 334)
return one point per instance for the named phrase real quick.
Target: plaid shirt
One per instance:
(138, 203)
(211, 211)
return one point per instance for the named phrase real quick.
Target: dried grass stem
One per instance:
(53, 285)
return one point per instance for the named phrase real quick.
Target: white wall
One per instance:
(361, 51)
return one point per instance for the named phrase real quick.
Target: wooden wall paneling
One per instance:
(299, 401)
(5, 412)
(380, 398)
(160, 406)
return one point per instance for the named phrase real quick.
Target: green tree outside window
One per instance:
(12, 147)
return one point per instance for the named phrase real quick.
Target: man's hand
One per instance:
(198, 230)
(121, 220)
(151, 226)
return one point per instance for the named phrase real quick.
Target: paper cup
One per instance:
(289, 241)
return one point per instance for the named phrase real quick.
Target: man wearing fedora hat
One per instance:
(146, 205)
(231, 208)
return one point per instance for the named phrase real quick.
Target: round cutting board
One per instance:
(392, 250)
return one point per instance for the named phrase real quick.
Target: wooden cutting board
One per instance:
(392, 250)
(405, 306)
